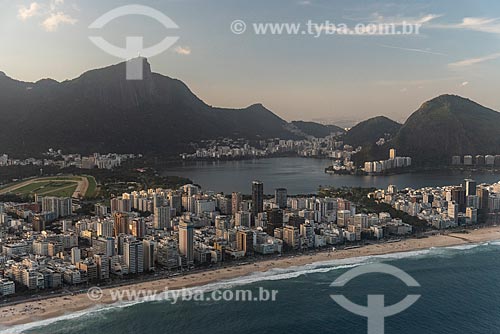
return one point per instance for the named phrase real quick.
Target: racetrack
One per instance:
(82, 184)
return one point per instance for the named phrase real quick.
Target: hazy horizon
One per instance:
(332, 79)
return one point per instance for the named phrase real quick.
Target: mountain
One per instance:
(102, 111)
(316, 129)
(449, 125)
(370, 131)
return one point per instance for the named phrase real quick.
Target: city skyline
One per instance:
(297, 77)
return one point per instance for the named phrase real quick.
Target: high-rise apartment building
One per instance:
(274, 220)
(483, 196)
(161, 217)
(133, 255)
(105, 228)
(280, 198)
(121, 225)
(343, 217)
(257, 197)
(236, 199)
(244, 241)
(186, 240)
(149, 251)
(138, 228)
(392, 153)
(60, 206)
(470, 187)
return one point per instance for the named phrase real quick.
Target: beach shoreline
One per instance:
(53, 307)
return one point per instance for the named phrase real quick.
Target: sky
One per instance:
(320, 76)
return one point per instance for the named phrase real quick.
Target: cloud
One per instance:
(183, 50)
(481, 24)
(53, 17)
(400, 20)
(52, 22)
(412, 49)
(473, 61)
(55, 3)
(305, 2)
(379, 25)
(25, 13)
(465, 83)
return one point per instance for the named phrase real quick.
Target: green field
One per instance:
(59, 186)
(48, 188)
(92, 189)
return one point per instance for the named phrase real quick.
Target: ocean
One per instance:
(459, 288)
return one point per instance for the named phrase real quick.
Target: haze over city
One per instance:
(296, 76)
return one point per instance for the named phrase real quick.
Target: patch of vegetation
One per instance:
(65, 177)
(14, 198)
(9, 174)
(92, 189)
(103, 183)
(316, 129)
(52, 188)
(371, 130)
(59, 190)
(124, 179)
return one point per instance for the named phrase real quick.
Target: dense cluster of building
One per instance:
(58, 159)
(172, 230)
(478, 160)
(394, 162)
(449, 206)
(228, 148)
(43, 210)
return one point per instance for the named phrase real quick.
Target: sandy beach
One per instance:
(58, 306)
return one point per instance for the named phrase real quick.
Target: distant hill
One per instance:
(102, 111)
(449, 125)
(370, 131)
(316, 129)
